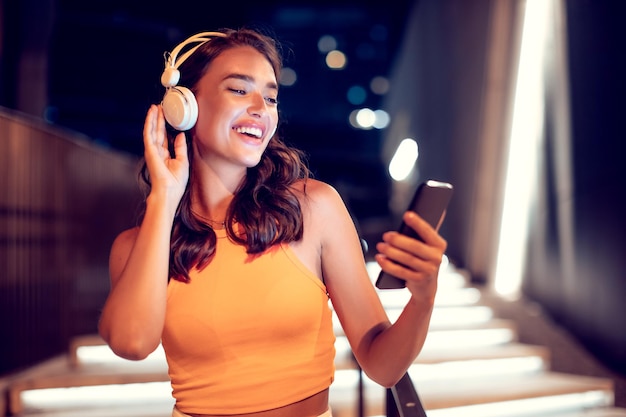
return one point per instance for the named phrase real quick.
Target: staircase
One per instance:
(472, 365)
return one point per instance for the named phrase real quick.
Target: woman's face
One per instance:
(237, 108)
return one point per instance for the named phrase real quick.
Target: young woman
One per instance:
(239, 252)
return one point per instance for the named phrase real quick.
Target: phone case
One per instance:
(429, 201)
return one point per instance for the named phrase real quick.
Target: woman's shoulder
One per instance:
(129, 234)
(317, 192)
(321, 200)
(125, 240)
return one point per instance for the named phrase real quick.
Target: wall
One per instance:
(62, 202)
(453, 99)
(577, 268)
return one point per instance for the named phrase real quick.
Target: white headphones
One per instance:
(179, 104)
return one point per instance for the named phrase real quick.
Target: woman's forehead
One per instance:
(243, 60)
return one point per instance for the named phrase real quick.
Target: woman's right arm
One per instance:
(134, 313)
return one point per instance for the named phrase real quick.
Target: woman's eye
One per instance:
(271, 100)
(237, 91)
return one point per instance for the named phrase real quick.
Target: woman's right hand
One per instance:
(167, 174)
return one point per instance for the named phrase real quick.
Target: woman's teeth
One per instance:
(250, 131)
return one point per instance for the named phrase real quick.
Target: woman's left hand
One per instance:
(412, 260)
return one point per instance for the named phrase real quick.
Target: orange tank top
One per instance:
(248, 333)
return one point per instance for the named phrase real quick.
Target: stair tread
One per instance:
(449, 392)
(595, 412)
(344, 359)
(442, 394)
(448, 326)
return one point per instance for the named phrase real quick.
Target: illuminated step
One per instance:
(531, 409)
(128, 400)
(447, 318)
(444, 298)
(472, 360)
(449, 276)
(487, 396)
(58, 373)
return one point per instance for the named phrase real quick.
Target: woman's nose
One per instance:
(257, 106)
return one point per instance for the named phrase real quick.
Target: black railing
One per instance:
(402, 400)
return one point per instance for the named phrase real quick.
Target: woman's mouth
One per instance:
(253, 132)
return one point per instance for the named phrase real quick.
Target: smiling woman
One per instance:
(239, 251)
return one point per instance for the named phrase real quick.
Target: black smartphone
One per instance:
(430, 202)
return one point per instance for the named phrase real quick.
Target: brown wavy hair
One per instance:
(264, 204)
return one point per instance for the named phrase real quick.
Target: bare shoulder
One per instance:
(318, 192)
(319, 200)
(322, 206)
(125, 238)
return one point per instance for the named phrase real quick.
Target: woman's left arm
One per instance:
(383, 350)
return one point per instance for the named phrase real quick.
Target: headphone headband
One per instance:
(179, 104)
(200, 38)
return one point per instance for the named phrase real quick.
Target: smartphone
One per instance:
(430, 202)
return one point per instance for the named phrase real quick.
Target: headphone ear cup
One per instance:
(180, 108)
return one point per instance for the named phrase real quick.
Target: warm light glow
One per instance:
(403, 161)
(524, 148)
(336, 59)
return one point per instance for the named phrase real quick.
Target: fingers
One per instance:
(180, 147)
(410, 258)
(154, 128)
(149, 126)
(424, 230)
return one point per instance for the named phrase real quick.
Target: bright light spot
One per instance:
(472, 368)
(404, 159)
(379, 85)
(365, 118)
(153, 393)
(104, 354)
(524, 149)
(450, 317)
(336, 59)
(441, 340)
(356, 94)
(531, 407)
(288, 77)
(381, 119)
(326, 43)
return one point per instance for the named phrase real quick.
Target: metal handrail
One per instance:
(402, 400)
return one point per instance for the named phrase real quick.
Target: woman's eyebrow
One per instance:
(272, 85)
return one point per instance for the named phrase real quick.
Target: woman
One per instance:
(239, 252)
